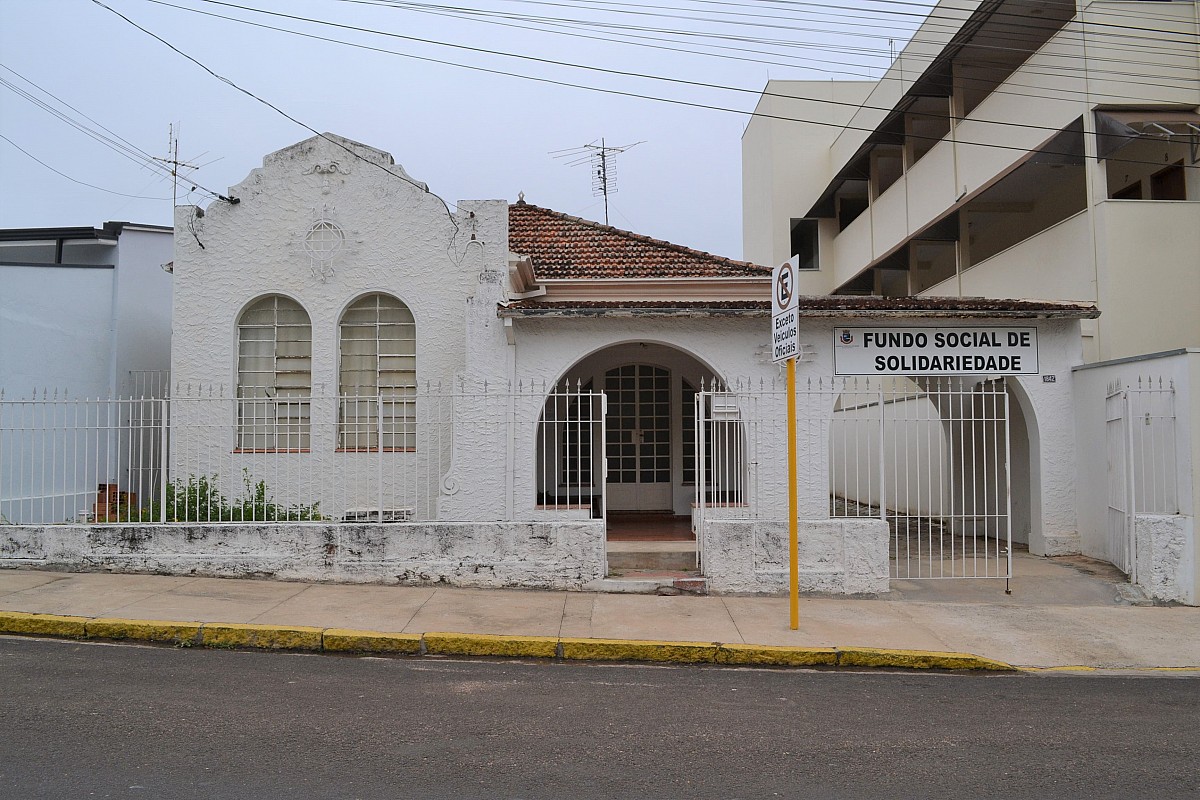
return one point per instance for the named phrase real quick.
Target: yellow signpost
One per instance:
(785, 346)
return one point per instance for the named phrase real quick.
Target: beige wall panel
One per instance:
(1152, 260)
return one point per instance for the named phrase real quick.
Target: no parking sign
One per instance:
(785, 328)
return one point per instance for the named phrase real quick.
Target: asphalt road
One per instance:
(92, 720)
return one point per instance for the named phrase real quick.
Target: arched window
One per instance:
(274, 380)
(378, 375)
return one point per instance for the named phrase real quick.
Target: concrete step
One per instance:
(652, 555)
(651, 581)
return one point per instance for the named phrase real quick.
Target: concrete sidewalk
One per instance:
(1063, 612)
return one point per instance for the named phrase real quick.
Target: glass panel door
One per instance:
(638, 440)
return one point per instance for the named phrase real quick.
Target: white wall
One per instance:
(547, 348)
(1092, 383)
(786, 162)
(56, 330)
(399, 239)
(142, 312)
(1151, 276)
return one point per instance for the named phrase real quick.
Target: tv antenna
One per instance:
(172, 159)
(602, 159)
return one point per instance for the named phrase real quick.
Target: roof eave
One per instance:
(576, 313)
(945, 313)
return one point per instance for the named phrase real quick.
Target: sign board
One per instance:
(935, 351)
(785, 319)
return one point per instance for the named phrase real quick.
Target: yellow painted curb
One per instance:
(915, 659)
(637, 650)
(146, 630)
(270, 637)
(481, 644)
(771, 656)
(345, 640)
(42, 624)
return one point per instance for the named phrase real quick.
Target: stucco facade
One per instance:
(504, 388)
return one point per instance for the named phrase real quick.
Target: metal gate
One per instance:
(1120, 481)
(1142, 474)
(930, 456)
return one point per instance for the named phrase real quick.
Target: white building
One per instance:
(85, 309)
(513, 385)
(1022, 148)
(85, 316)
(1015, 149)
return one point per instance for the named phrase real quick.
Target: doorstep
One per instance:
(651, 581)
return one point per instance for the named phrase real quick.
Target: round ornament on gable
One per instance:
(323, 242)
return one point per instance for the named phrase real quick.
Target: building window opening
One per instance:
(805, 243)
(926, 123)
(851, 201)
(887, 167)
(378, 376)
(274, 380)
(1145, 159)
(932, 262)
(1169, 183)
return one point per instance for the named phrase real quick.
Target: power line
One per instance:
(838, 27)
(273, 107)
(282, 113)
(553, 62)
(112, 140)
(566, 84)
(630, 39)
(76, 180)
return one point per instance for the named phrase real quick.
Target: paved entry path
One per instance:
(1063, 612)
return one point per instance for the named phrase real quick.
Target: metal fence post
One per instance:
(1131, 512)
(882, 461)
(379, 456)
(163, 430)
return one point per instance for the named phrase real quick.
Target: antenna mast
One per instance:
(173, 159)
(602, 158)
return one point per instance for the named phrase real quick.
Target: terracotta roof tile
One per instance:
(811, 306)
(566, 247)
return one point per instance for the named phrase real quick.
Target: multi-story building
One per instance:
(1014, 149)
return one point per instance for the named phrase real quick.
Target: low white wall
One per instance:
(838, 556)
(564, 554)
(1180, 369)
(1165, 547)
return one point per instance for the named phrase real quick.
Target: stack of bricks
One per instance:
(113, 505)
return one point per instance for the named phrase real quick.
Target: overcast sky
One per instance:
(467, 133)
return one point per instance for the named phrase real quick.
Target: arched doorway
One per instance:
(650, 442)
(949, 462)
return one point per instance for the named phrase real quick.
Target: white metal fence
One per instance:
(514, 452)
(65, 460)
(929, 456)
(1143, 470)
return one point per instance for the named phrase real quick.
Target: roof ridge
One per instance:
(639, 236)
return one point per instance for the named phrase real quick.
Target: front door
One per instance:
(638, 439)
